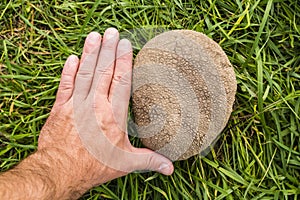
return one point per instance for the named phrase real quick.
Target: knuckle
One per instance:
(66, 83)
(85, 74)
(109, 46)
(110, 49)
(66, 86)
(122, 80)
(104, 71)
(149, 162)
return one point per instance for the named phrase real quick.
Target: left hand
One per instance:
(84, 140)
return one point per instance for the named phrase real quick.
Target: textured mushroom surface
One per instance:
(183, 92)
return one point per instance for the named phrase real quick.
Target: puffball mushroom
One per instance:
(183, 92)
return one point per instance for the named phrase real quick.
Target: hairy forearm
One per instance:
(39, 176)
(28, 180)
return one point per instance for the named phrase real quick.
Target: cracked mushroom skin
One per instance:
(183, 92)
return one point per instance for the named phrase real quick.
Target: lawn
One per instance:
(258, 153)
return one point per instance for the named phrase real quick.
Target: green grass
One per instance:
(258, 154)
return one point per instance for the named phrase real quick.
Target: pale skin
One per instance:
(62, 167)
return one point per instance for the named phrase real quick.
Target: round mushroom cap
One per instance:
(183, 92)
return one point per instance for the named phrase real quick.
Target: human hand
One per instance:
(84, 140)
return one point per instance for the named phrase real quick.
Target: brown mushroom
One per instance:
(183, 92)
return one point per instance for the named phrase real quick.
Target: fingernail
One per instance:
(164, 168)
(72, 60)
(125, 43)
(93, 37)
(111, 32)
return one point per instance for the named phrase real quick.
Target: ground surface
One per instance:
(258, 154)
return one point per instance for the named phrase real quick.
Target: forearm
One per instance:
(39, 177)
(28, 180)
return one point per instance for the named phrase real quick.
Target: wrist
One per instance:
(61, 173)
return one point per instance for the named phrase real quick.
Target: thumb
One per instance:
(150, 160)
